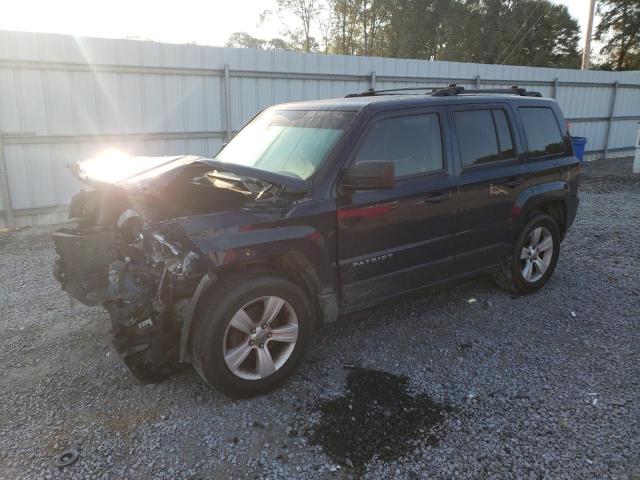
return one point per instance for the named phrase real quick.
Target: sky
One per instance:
(205, 22)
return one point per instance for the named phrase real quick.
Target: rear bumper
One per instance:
(572, 210)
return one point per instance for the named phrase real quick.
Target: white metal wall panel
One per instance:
(622, 131)
(628, 102)
(30, 96)
(18, 171)
(84, 105)
(10, 111)
(593, 131)
(66, 98)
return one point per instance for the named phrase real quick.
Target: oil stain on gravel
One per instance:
(376, 417)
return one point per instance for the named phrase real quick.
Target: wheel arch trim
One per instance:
(533, 197)
(289, 265)
(205, 285)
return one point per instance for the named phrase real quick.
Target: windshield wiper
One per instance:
(292, 184)
(233, 182)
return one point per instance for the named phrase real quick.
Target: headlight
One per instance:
(130, 225)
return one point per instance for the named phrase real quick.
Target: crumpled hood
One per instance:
(133, 173)
(161, 188)
(100, 172)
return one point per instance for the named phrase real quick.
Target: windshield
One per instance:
(290, 142)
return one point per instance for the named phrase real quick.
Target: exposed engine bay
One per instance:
(126, 251)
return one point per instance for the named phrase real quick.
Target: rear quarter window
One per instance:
(542, 131)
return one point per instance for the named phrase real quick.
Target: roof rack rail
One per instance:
(451, 90)
(371, 92)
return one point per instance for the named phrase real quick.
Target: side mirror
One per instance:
(369, 175)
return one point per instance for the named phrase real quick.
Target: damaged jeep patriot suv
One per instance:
(312, 210)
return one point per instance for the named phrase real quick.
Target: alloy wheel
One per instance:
(260, 338)
(536, 254)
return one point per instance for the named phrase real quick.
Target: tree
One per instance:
(429, 29)
(517, 32)
(344, 30)
(306, 11)
(279, 44)
(244, 40)
(549, 37)
(619, 29)
(325, 23)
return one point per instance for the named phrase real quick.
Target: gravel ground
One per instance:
(544, 386)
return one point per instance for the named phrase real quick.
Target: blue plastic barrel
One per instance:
(579, 144)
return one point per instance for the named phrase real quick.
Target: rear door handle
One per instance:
(438, 197)
(514, 182)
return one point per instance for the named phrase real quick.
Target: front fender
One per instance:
(225, 244)
(308, 248)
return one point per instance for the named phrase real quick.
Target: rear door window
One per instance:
(505, 139)
(484, 136)
(477, 137)
(542, 131)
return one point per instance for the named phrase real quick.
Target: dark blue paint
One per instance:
(356, 248)
(365, 246)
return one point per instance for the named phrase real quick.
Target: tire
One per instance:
(513, 274)
(149, 353)
(223, 329)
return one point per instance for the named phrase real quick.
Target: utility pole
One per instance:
(586, 54)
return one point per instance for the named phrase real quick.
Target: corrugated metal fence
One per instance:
(64, 98)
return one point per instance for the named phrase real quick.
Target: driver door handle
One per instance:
(438, 197)
(514, 182)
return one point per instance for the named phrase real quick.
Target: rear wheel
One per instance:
(252, 335)
(534, 256)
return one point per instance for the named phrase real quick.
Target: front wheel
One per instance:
(252, 334)
(534, 256)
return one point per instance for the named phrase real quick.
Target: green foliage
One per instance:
(516, 32)
(244, 40)
(306, 12)
(619, 29)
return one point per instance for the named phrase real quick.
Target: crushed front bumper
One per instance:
(82, 265)
(144, 290)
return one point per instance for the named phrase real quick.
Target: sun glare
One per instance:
(110, 166)
(205, 22)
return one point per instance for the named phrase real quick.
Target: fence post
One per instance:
(477, 82)
(372, 80)
(227, 102)
(612, 107)
(555, 89)
(636, 158)
(9, 217)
